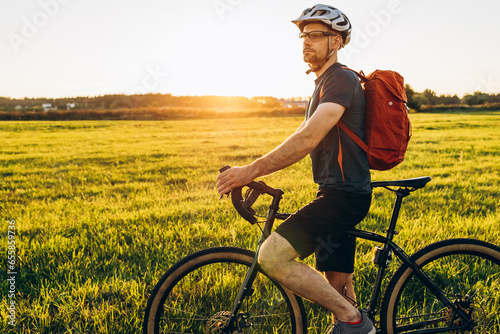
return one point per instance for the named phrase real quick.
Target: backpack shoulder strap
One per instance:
(353, 136)
(360, 74)
(342, 125)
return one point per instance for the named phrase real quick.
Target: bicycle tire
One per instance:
(459, 267)
(197, 293)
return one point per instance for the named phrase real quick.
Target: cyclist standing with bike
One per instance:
(344, 194)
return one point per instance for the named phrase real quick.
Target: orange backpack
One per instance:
(388, 127)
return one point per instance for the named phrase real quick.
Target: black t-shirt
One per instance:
(342, 87)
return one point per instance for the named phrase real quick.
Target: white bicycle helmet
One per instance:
(328, 15)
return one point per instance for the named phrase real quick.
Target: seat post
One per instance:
(400, 194)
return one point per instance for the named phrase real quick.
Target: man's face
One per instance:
(315, 51)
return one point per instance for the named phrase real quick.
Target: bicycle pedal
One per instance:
(243, 323)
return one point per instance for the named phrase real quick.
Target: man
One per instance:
(344, 194)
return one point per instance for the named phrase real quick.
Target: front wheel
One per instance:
(197, 294)
(466, 270)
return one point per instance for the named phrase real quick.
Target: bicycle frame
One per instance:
(382, 261)
(385, 256)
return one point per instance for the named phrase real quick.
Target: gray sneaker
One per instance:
(365, 327)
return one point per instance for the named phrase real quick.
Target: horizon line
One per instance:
(206, 95)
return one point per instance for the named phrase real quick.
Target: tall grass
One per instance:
(103, 208)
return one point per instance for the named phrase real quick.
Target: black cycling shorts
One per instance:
(320, 226)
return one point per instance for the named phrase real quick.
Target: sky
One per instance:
(69, 48)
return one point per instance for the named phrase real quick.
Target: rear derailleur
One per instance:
(465, 305)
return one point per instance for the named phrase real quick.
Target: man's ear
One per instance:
(340, 41)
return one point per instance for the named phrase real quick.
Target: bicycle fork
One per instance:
(245, 291)
(246, 288)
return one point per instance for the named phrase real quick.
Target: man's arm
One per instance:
(301, 126)
(292, 150)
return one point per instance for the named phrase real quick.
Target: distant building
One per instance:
(18, 107)
(70, 106)
(294, 103)
(48, 106)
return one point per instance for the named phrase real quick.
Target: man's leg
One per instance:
(342, 282)
(277, 258)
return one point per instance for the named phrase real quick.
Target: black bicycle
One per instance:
(449, 286)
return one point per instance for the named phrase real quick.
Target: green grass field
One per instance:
(103, 208)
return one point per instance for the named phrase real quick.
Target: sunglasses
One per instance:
(316, 35)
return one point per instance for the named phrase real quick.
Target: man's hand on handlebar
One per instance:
(232, 178)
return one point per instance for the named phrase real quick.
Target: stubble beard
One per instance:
(311, 58)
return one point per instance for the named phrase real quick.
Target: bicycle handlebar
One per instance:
(243, 205)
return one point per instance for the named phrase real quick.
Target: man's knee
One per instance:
(275, 251)
(269, 252)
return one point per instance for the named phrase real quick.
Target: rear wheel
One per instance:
(197, 294)
(466, 270)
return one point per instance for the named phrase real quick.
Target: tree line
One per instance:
(120, 101)
(428, 99)
(419, 101)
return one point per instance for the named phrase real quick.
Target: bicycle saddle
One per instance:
(415, 183)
